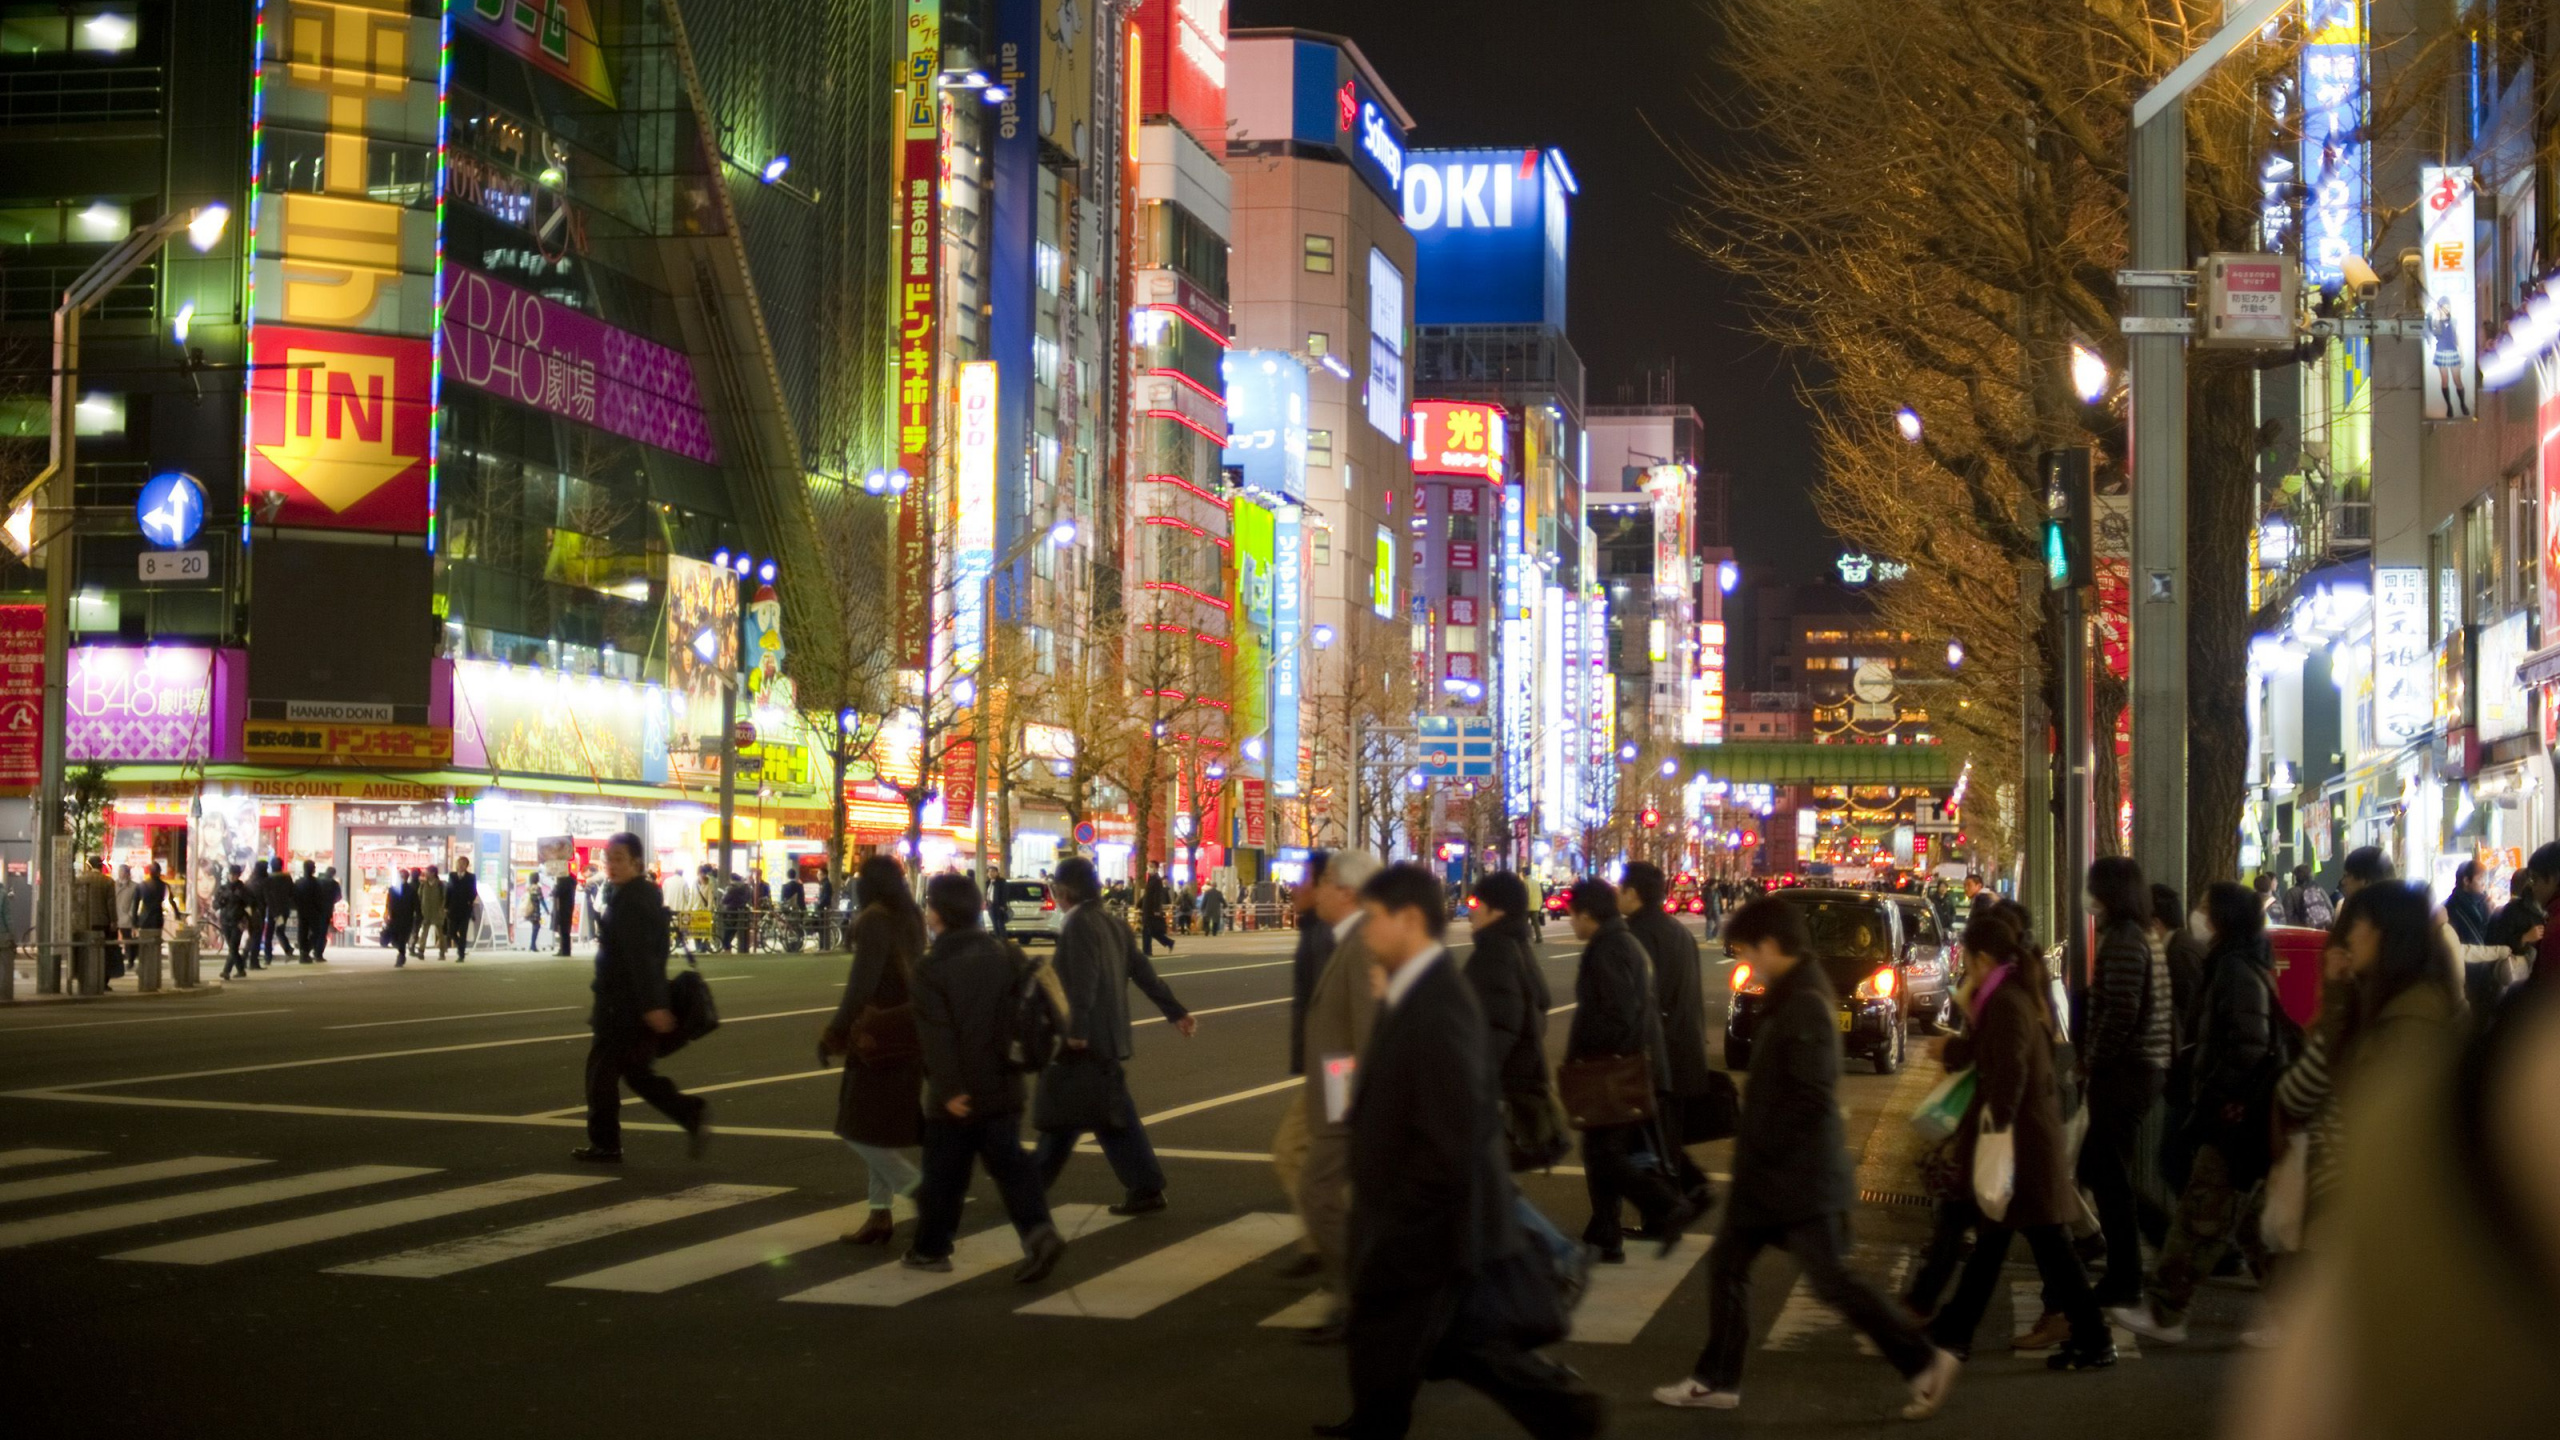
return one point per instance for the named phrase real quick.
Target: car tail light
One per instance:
(1048, 903)
(1742, 983)
(1878, 986)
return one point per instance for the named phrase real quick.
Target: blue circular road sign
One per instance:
(171, 509)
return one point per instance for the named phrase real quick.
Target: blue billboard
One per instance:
(1013, 224)
(1267, 422)
(1332, 104)
(1490, 230)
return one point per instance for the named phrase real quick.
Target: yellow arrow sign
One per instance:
(338, 432)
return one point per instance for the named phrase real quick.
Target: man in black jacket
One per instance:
(1614, 1015)
(331, 892)
(1097, 962)
(564, 907)
(1431, 1210)
(1289, 1143)
(631, 1013)
(1791, 1185)
(275, 906)
(461, 907)
(964, 1005)
(1679, 993)
(310, 920)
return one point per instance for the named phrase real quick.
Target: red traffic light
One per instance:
(1651, 818)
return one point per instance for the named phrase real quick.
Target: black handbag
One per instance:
(697, 1014)
(1533, 1130)
(1078, 1091)
(1714, 1113)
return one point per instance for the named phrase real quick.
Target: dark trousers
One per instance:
(2066, 1289)
(1124, 1143)
(1612, 1174)
(560, 932)
(1151, 933)
(1818, 1245)
(624, 1057)
(2120, 1099)
(1397, 1339)
(457, 928)
(235, 933)
(270, 939)
(952, 1149)
(311, 934)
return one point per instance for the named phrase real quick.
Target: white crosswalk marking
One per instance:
(1304, 1313)
(46, 1187)
(1163, 1276)
(200, 1202)
(1895, 1278)
(1623, 1298)
(473, 1251)
(658, 1274)
(980, 1254)
(339, 1224)
(2026, 1307)
(36, 1155)
(1800, 1320)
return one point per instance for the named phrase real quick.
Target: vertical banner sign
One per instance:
(1014, 219)
(2549, 419)
(21, 693)
(2403, 695)
(2445, 206)
(916, 301)
(347, 156)
(973, 513)
(2334, 152)
(1288, 574)
(1256, 534)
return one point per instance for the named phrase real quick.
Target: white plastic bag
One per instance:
(2280, 1221)
(1995, 1172)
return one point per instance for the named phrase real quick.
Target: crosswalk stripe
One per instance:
(359, 1220)
(1799, 1320)
(675, 1269)
(2026, 1307)
(1622, 1299)
(982, 1253)
(1895, 1278)
(36, 1155)
(201, 1202)
(46, 1187)
(1164, 1276)
(473, 1251)
(1304, 1313)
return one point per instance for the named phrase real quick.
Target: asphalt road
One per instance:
(321, 1202)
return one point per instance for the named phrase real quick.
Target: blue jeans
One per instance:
(1124, 1144)
(892, 1174)
(952, 1149)
(1571, 1264)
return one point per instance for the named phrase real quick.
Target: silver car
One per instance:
(1025, 910)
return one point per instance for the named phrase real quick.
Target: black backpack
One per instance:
(1035, 1013)
(689, 997)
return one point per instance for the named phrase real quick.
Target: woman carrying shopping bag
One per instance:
(2010, 1044)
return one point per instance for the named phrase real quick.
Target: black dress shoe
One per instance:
(1674, 1225)
(1610, 1254)
(1041, 1255)
(1140, 1204)
(595, 1155)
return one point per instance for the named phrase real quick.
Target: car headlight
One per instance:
(1878, 986)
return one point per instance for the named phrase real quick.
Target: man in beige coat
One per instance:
(1340, 1014)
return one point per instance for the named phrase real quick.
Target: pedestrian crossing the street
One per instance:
(1111, 1273)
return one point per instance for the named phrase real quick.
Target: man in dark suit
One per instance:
(275, 906)
(1679, 993)
(564, 907)
(1615, 1015)
(461, 907)
(1097, 962)
(1791, 1185)
(1432, 1229)
(309, 920)
(330, 893)
(630, 1013)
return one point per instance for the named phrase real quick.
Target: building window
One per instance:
(1319, 447)
(68, 222)
(1318, 343)
(1319, 254)
(1046, 264)
(1320, 540)
(1044, 360)
(85, 30)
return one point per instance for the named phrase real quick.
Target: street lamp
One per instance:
(2088, 373)
(52, 493)
(1955, 653)
(706, 645)
(1907, 421)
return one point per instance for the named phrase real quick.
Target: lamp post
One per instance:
(732, 698)
(53, 493)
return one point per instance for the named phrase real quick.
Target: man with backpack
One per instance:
(971, 995)
(2307, 903)
(632, 1014)
(1087, 1087)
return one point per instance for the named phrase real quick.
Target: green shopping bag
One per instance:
(1943, 1110)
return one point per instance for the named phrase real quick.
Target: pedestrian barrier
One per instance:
(158, 960)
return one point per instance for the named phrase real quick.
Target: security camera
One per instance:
(2362, 282)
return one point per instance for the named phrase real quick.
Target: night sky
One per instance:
(1586, 77)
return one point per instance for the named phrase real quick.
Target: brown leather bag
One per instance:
(1598, 1091)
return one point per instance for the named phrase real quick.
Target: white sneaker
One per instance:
(1929, 1388)
(1694, 1394)
(2139, 1320)
(2263, 1337)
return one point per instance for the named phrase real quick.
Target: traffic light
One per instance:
(2066, 519)
(1651, 818)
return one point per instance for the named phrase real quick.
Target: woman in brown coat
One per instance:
(878, 1108)
(2010, 1045)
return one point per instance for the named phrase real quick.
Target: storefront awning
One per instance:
(324, 783)
(2542, 667)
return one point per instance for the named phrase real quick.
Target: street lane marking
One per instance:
(1305, 1313)
(431, 1019)
(658, 1274)
(428, 1262)
(339, 1224)
(1162, 1276)
(1800, 1320)
(1622, 1299)
(1196, 1106)
(1215, 1010)
(36, 1156)
(201, 1202)
(1222, 969)
(980, 1254)
(52, 1185)
(143, 1020)
(386, 1055)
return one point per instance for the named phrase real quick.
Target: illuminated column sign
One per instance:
(2403, 689)
(1287, 575)
(1711, 682)
(2445, 208)
(973, 513)
(914, 286)
(342, 269)
(2334, 152)
(1554, 700)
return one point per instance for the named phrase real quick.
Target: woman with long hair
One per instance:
(2010, 1043)
(2124, 1064)
(879, 1107)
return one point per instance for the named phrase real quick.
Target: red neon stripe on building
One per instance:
(1186, 422)
(1196, 323)
(1220, 501)
(1205, 393)
(1187, 590)
(1203, 636)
